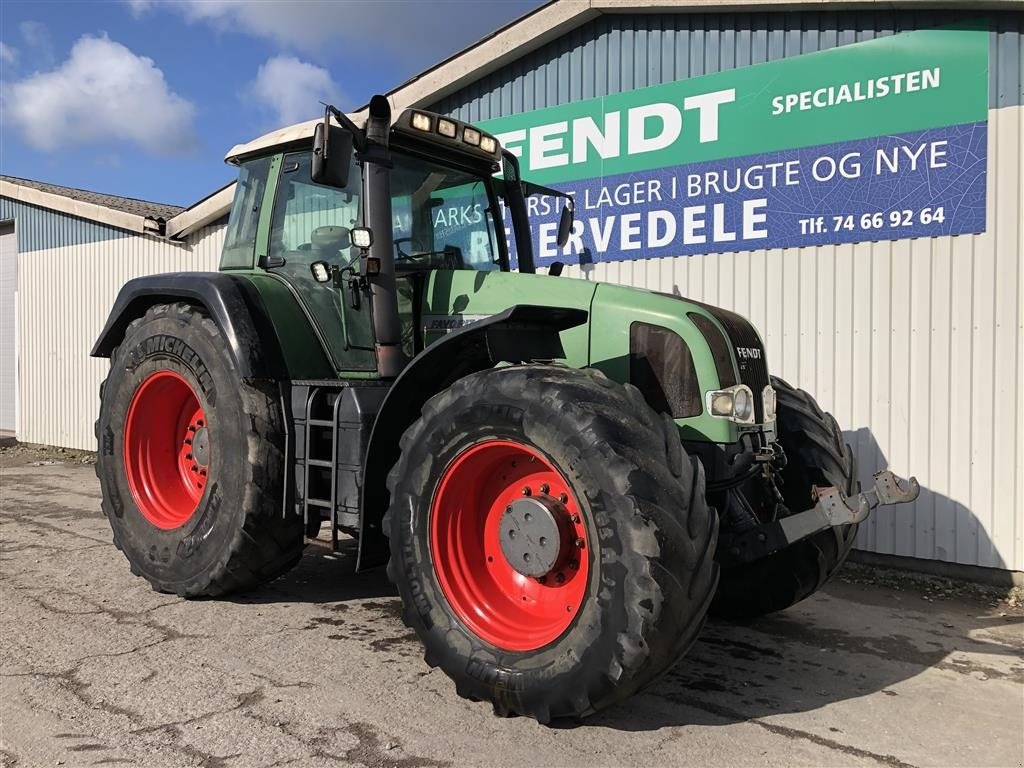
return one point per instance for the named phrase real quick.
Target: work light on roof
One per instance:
(471, 136)
(447, 128)
(421, 122)
(488, 144)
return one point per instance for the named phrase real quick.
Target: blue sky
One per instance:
(142, 98)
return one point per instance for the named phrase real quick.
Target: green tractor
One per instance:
(563, 477)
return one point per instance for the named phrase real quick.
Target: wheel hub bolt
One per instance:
(574, 518)
(563, 497)
(560, 578)
(527, 491)
(544, 488)
(579, 543)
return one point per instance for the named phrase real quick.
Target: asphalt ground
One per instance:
(316, 669)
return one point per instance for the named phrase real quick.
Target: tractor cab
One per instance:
(303, 209)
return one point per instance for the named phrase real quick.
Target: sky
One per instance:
(142, 98)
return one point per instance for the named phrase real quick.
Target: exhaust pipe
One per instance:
(377, 215)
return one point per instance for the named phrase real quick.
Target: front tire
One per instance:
(817, 455)
(573, 630)
(190, 460)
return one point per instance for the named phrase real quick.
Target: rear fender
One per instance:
(519, 334)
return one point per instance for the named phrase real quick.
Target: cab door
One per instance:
(310, 223)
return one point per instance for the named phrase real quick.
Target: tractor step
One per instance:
(331, 423)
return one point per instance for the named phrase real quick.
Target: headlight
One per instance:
(768, 402)
(743, 405)
(735, 403)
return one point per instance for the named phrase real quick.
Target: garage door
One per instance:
(8, 349)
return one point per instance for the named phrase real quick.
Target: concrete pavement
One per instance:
(316, 669)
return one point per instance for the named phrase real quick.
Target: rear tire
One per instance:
(817, 455)
(645, 572)
(189, 527)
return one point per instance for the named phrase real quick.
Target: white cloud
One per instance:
(8, 55)
(292, 89)
(412, 31)
(103, 92)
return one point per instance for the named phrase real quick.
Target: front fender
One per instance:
(519, 334)
(232, 303)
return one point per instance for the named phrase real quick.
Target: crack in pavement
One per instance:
(247, 699)
(35, 521)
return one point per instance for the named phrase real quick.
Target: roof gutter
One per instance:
(201, 214)
(79, 208)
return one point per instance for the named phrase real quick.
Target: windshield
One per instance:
(443, 218)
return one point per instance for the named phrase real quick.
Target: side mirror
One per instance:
(332, 156)
(565, 224)
(556, 268)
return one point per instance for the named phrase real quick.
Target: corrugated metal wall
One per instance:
(915, 345)
(621, 52)
(64, 296)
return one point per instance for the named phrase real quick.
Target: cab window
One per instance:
(443, 218)
(311, 222)
(240, 238)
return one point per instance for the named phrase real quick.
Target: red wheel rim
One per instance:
(165, 474)
(495, 601)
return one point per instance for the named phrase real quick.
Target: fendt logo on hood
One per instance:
(748, 353)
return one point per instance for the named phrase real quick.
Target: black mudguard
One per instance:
(519, 334)
(231, 301)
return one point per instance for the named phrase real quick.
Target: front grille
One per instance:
(719, 349)
(750, 357)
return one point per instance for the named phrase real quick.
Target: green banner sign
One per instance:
(895, 84)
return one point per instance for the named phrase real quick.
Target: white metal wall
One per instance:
(64, 297)
(914, 345)
(8, 327)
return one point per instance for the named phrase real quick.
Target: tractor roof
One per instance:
(281, 137)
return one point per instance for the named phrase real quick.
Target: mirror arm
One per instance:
(358, 139)
(529, 188)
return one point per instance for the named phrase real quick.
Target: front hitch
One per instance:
(832, 508)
